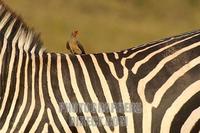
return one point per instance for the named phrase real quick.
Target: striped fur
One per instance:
(163, 77)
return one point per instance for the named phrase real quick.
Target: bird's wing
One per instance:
(67, 46)
(81, 47)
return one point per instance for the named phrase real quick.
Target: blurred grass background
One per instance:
(107, 25)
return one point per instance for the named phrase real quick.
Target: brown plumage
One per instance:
(73, 45)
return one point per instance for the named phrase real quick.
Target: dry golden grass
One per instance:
(107, 25)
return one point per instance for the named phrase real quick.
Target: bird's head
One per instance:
(75, 33)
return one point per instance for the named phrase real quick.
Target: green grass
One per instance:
(107, 25)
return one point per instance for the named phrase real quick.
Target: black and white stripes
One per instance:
(151, 88)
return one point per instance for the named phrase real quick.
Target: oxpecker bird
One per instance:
(73, 45)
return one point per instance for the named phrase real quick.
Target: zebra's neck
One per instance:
(16, 40)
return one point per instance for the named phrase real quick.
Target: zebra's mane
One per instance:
(17, 30)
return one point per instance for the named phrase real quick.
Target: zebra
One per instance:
(155, 86)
